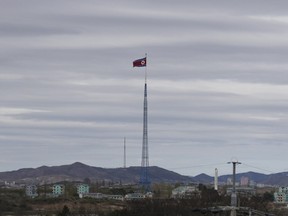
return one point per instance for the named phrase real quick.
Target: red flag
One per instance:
(140, 62)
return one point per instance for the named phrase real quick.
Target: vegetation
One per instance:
(65, 211)
(14, 202)
(162, 191)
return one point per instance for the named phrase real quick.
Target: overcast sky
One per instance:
(217, 83)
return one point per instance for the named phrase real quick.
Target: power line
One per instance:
(220, 164)
(201, 165)
(213, 165)
(258, 168)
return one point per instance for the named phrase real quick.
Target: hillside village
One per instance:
(53, 183)
(85, 190)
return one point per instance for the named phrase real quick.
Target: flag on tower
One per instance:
(140, 62)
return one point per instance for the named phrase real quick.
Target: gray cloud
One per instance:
(217, 83)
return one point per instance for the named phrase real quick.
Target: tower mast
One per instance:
(144, 180)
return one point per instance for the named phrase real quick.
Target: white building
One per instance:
(281, 196)
(92, 195)
(185, 191)
(101, 196)
(115, 197)
(133, 196)
(229, 181)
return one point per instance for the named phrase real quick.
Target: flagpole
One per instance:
(146, 69)
(144, 179)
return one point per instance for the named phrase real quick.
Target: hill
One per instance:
(79, 171)
(280, 179)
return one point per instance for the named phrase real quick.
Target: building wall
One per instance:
(31, 190)
(281, 196)
(83, 189)
(58, 189)
(185, 191)
(244, 181)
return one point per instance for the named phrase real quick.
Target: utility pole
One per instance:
(234, 194)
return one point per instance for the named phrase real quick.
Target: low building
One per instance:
(101, 196)
(115, 197)
(92, 195)
(185, 192)
(243, 191)
(134, 196)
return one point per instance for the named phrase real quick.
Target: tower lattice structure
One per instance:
(144, 179)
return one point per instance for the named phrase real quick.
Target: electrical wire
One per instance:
(258, 168)
(195, 166)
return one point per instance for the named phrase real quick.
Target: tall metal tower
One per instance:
(144, 178)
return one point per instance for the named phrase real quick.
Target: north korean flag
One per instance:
(140, 62)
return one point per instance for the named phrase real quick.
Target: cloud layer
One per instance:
(217, 83)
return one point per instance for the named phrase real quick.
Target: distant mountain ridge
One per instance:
(277, 179)
(79, 171)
